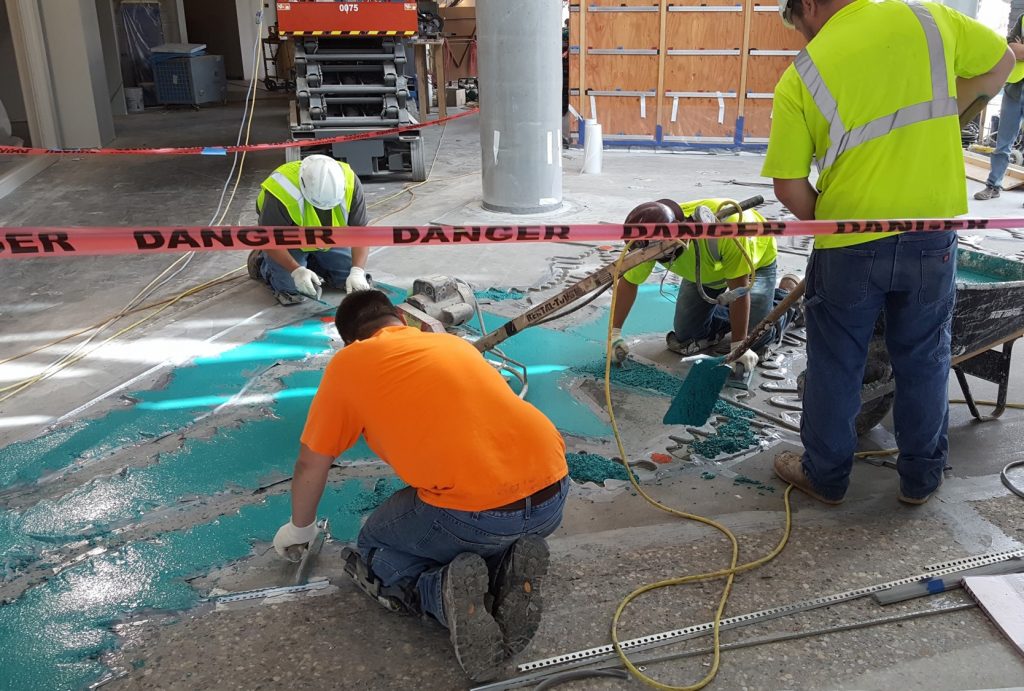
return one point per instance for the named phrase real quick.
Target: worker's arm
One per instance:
(1018, 51)
(739, 309)
(357, 217)
(625, 296)
(980, 89)
(275, 215)
(307, 487)
(797, 195)
(308, 484)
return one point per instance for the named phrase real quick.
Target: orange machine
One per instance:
(350, 65)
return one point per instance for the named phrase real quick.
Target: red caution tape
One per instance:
(20, 243)
(225, 150)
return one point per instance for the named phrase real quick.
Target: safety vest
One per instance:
(1017, 73)
(284, 185)
(842, 139)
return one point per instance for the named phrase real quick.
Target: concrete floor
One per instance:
(611, 541)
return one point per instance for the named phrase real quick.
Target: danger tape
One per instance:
(225, 150)
(21, 243)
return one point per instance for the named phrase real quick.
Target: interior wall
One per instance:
(216, 25)
(246, 11)
(10, 86)
(72, 33)
(111, 56)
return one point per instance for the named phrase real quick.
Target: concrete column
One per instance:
(33, 72)
(72, 33)
(968, 7)
(520, 69)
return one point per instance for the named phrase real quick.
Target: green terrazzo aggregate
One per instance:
(590, 467)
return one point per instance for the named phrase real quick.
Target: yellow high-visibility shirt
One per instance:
(873, 60)
(730, 261)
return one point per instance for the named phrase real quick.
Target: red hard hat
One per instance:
(661, 211)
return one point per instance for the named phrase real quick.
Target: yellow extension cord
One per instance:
(729, 573)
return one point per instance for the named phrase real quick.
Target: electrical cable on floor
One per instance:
(729, 573)
(1004, 475)
(177, 266)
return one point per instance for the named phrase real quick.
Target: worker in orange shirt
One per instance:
(487, 475)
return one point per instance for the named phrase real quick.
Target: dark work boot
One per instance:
(474, 633)
(518, 601)
(254, 264)
(989, 192)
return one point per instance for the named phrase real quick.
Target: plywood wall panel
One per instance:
(702, 73)
(620, 115)
(622, 3)
(622, 72)
(768, 33)
(699, 117)
(757, 122)
(704, 30)
(622, 30)
(763, 72)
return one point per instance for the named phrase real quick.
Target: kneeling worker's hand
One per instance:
(307, 282)
(620, 350)
(748, 360)
(356, 280)
(290, 535)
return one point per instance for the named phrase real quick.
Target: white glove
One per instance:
(307, 282)
(356, 280)
(620, 351)
(748, 360)
(290, 535)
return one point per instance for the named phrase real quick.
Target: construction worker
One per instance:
(487, 474)
(1011, 112)
(319, 191)
(875, 98)
(725, 300)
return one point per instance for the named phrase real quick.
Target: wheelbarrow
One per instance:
(989, 314)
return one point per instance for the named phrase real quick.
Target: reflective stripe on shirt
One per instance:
(841, 139)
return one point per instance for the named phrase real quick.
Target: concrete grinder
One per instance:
(437, 303)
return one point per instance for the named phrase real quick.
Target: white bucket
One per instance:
(133, 99)
(593, 146)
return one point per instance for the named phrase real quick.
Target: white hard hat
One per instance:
(784, 12)
(322, 182)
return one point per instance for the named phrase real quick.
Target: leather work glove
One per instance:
(748, 360)
(307, 282)
(356, 280)
(291, 536)
(620, 351)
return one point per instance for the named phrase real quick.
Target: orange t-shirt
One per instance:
(441, 416)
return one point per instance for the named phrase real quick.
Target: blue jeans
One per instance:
(912, 277)
(333, 265)
(407, 542)
(696, 319)
(1010, 115)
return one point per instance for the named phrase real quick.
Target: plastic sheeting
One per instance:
(140, 27)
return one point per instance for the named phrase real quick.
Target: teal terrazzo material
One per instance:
(590, 467)
(498, 295)
(381, 491)
(635, 376)
(698, 395)
(731, 436)
(740, 480)
(967, 276)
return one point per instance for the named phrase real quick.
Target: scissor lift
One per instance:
(350, 79)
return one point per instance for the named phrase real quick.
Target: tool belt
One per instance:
(537, 497)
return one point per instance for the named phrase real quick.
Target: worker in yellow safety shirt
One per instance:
(876, 99)
(1011, 112)
(728, 285)
(318, 191)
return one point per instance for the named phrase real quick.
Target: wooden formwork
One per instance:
(677, 71)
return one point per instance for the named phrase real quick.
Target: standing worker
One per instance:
(319, 191)
(464, 543)
(736, 288)
(874, 97)
(1010, 114)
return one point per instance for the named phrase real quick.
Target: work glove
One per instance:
(748, 360)
(307, 282)
(291, 536)
(620, 351)
(356, 280)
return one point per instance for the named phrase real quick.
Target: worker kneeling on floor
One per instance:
(487, 475)
(728, 285)
(319, 191)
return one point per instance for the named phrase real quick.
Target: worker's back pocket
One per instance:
(842, 275)
(938, 273)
